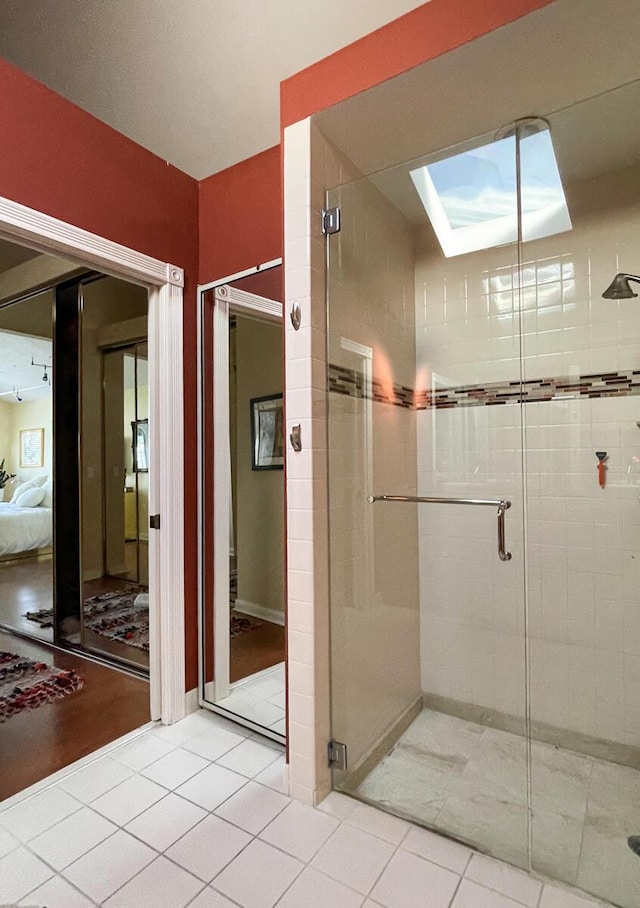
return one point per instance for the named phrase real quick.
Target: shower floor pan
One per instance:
(470, 782)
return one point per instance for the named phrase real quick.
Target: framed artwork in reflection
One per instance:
(267, 433)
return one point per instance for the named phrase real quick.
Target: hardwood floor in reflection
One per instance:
(26, 586)
(40, 741)
(256, 650)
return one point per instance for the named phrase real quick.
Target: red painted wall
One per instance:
(58, 159)
(241, 216)
(417, 37)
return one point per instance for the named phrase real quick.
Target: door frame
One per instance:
(165, 284)
(225, 298)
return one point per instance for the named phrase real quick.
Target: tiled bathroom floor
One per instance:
(471, 782)
(196, 814)
(260, 698)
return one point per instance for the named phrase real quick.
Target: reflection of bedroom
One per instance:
(114, 487)
(26, 444)
(114, 482)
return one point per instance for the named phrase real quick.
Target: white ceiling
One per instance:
(195, 81)
(18, 378)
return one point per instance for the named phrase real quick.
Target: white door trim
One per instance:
(225, 298)
(221, 496)
(165, 282)
(265, 266)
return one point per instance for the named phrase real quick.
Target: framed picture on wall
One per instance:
(32, 447)
(140, 445)
(267, 433)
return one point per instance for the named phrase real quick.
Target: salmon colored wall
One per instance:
(241, 216)
(58, 159)
(417, 37)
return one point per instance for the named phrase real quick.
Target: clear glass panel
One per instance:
(427, 653)
(26, 460)
(114, 471)
(581, 361)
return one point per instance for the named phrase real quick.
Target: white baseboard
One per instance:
(191, 702)
(260, 611)
(210, 692)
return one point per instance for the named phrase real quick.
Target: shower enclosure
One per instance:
(483, 404)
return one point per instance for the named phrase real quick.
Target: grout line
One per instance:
(119, 827)
(455, 891)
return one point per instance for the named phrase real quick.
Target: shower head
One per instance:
(619, 288)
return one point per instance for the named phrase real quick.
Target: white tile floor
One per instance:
(260, 698)
(149, 826)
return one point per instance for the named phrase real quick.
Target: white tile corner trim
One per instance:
(230, 836)
(308, 571)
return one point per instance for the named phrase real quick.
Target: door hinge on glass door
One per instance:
(330, 221)
(337, 755)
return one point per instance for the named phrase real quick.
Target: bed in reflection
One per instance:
(26, 522)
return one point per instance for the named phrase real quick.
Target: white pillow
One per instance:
(34, 483)
(47, 501)
(30, 499)
(17, 492)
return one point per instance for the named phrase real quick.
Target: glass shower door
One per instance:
(428, 646)
(582, 351)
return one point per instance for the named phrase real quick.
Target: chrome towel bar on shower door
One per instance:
(500, 503)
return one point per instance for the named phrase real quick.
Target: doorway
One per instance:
(57, 704)
(164, 282)
(243, 616)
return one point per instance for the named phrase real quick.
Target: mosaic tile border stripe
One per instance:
(351, 383)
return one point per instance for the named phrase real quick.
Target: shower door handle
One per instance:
(500, 503)
(503, 555)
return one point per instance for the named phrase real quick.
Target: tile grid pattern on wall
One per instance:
(307, 529)
(352, 383)
(197, 814)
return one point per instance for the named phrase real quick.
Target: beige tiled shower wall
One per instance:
(583, 541)
(372, 450)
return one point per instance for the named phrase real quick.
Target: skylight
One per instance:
(471, 198)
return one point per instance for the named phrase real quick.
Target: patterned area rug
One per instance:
(25, 684)
(122, 615)
(119, 616)
(43, 617)
(239, 625)
(116, 615)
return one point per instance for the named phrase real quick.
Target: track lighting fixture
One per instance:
(45, 376)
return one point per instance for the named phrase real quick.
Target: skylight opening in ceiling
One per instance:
(471, 198)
